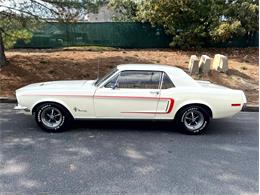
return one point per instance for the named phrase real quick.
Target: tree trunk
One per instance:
(3, 61)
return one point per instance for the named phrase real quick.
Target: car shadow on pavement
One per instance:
(124, 125)
(216, 127)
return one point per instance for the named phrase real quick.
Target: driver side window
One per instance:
(136, 80)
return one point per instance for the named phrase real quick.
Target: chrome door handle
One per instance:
(154, 92)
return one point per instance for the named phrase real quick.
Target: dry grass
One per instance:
(29, 66)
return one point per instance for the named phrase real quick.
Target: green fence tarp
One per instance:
(111, 34)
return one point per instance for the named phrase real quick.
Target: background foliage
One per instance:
(195, 23)
(190, 23)
(14, 28)
(18, 19)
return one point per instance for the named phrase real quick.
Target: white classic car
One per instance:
(131, 91)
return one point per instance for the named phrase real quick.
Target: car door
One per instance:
(129, 94)
(167, 98)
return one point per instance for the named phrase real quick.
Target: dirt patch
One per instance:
(30, 66)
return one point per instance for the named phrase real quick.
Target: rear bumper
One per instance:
(243, 107)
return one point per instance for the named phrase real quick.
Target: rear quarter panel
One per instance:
(218, 100)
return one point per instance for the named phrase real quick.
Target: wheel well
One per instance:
(201, 105)
(37, 105)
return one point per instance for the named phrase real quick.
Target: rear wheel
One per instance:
(193, 120)
(52, 117)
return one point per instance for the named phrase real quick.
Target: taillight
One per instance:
(235, 105)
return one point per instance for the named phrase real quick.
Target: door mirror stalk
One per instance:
(115, 86)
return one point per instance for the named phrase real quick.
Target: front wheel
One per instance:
(52, 117)
(193, 120)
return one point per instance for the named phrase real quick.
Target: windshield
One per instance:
(99, 81)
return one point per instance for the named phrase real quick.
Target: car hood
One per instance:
(57, 85)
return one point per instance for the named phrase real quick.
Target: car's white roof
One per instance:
(177, 75)
(155, 67)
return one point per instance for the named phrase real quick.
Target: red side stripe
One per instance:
(171, 100)
(167, 112)
(76, 95)
(127, 97)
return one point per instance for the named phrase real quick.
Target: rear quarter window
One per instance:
(167, 82)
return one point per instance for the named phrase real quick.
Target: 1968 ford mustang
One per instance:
(132, 91)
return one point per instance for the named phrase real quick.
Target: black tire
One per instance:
(63, 118)
(185, 123)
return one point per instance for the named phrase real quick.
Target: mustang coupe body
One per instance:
(131, 91)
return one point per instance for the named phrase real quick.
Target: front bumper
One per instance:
(23, 108)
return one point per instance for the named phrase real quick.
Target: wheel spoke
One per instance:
(196, 117)
(188, 118)
(192, 115)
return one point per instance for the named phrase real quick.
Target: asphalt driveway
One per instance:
(128, 157)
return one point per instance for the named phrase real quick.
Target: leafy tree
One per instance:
(187, 21)
(125, 10)
(15, 27)
(242, 17)
(196, 23)
(19, 18)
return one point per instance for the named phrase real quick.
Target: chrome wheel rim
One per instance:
(193, 120)
(51, 117)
